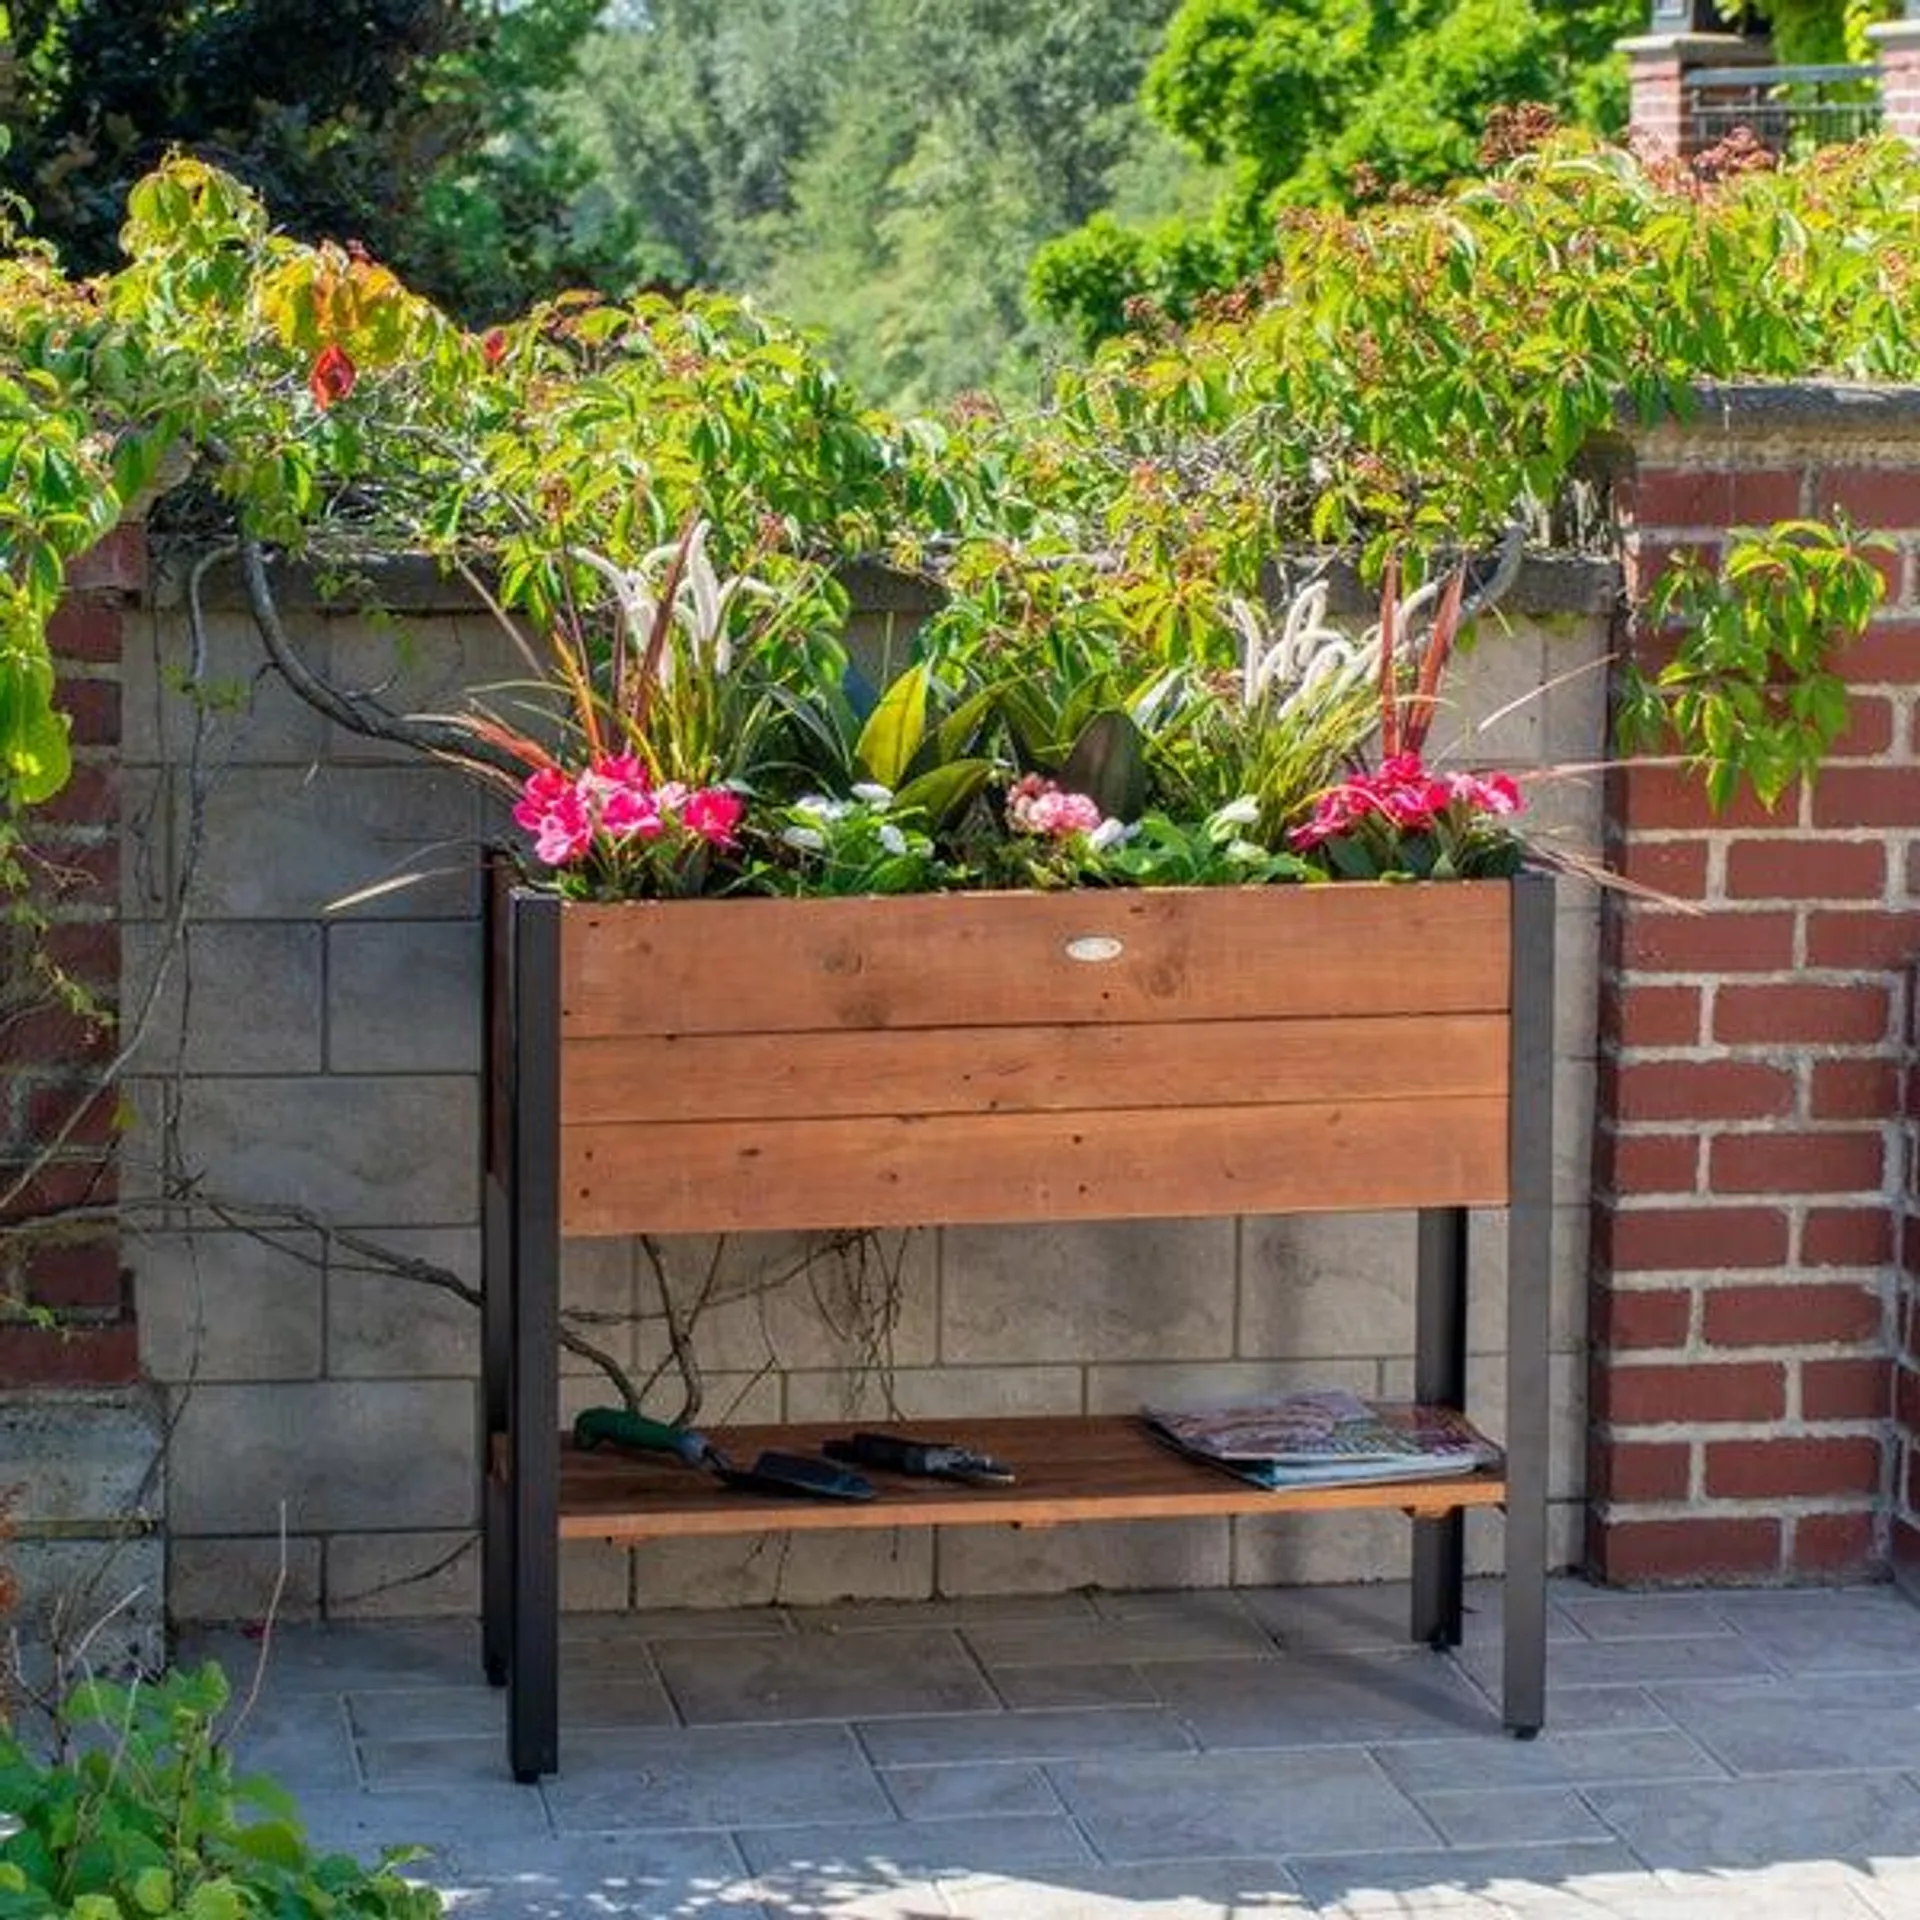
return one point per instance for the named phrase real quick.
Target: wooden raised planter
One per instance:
(743, 1065)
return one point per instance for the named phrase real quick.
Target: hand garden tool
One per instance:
(928, 1459)
(785, 1473)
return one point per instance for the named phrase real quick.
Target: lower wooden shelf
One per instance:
(1100, 1468)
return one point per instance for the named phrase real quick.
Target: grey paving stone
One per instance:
(713, 1777)
(1875, 1630)
(1804, 1726)
(1209, 1804)
(443, 1761)
(1060, 1735)
(915, 1849)
(1713, 1825)
(440, 1819)
(1613, 1663)
(1326, 1699)
(672, 1623)
(1149, 1890)
(963, 1792)
(809, 1677)
(1197, 1633)
(302, 1742)
(1643, 1616)
(1484, 1883)
(1511, 1816)
(592, 1701)
(339, 1659)
(1598, 1710)
(1091, 1686)
(985, 1609)
(1555, 1759)
(644, 1876)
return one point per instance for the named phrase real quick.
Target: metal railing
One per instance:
(1787, 109)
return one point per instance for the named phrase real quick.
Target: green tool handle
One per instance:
(614, 1426)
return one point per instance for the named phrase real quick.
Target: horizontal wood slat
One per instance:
(1122, 1164)
(1229, 953)
(1105, 1468)
(651, 1078)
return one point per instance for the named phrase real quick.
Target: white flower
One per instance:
(892, 838)
(1237, 813)
(873, 793)
(816, 806)
(1109, 833)
(1245, 850)
(804, 838)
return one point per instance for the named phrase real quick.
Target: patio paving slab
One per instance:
(1708, 1756)
(1206, 1804)
(813, 1677)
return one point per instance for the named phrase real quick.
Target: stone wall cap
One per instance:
(1697, 49)
(1750, 410)
(1903, 34)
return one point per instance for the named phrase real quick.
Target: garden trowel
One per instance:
(785, 1473)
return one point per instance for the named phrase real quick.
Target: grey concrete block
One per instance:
(398, 1576)
(80, 1458)
(228, 1306)
(436, 665)
(220, 1581)
(872, 1303)
(246, 710)
(595, 1577)
(1319, 1549)
(934, 1393)
(286, 843)
(1327, 1284)
(1142, 1290)
(1143, 1553)
(89, 1605)
(227, 998)
(1493, 712)
(1126, 1389)
(383, 1325)
(357, 1150)
(147, 871)
(337, 1454)
(806, 1569)
(403, 996)
(1569, 1266)
(597, 1300)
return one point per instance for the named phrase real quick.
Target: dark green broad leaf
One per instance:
(1109, 764)
(942, 793)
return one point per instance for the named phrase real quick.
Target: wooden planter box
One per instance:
(718, 1066)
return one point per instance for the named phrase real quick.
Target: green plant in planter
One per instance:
(145, 1818)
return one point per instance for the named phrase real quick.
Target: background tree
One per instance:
(420, 128)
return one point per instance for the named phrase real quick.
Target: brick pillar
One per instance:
(1897, 48)
(1657, 118)
(1748, 1139)
(50, 1052)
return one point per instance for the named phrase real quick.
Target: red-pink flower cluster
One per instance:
(1042, 806)
(614, 798)
(1408, 796)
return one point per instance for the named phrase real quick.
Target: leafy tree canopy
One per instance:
(418, 128)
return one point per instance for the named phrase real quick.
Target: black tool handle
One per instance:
(891, 1454)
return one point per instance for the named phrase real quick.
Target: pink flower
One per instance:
(714, 814)
(539, 797)
(1493, 793)
(563, 832)
(627, 811)
(1040, 806)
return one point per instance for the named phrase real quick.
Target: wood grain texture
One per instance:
(651, 1078)
(1127, 1163)
(1257, 953)
(1103, 1468)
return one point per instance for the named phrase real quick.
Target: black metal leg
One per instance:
(1529, 1272)
(1440, 1379)
(533, 1697)
(496, 1367)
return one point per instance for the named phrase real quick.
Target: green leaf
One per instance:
(153, 1890)
(895, 728)
(1109, 764)
(942, 793)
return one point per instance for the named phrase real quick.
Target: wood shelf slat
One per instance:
(1100, 1468)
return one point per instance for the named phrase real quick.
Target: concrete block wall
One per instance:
(327, 1068)
(1751, 1156)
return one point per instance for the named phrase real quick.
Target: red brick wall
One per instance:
(1749, 1156)
(77, 1276)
